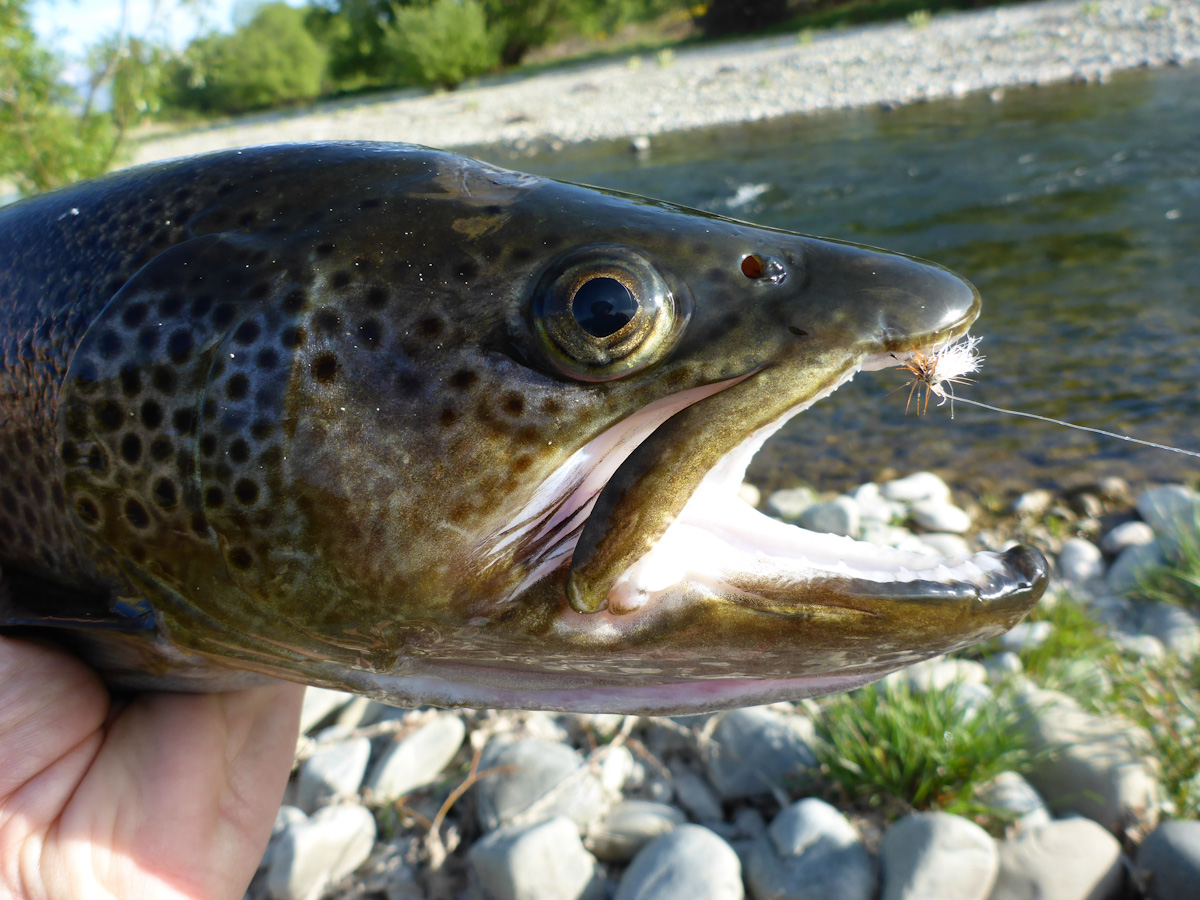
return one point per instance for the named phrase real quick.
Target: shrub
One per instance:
(443, 42)
(271, 61)
(738, 16)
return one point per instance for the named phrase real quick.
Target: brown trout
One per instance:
(390, 420)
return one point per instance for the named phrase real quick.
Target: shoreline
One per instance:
(887, 65)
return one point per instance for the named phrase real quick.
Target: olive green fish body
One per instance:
(388, 419)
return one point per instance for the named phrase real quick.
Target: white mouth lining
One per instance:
(717, 540)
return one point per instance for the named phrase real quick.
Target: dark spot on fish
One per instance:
(179, 345)
(798, 332)
(8, 500)
(164, 493)
(521, 254)
(134, 315)
(409, 383)
(369, 332)
(136, 514)
(237, 387)
(463, 379)
(241, 558)
(521, 464)
(528, 435)
(246, 219)
(294, 301)
(430, 327)
(468, 270)
(239, 451)
(184, 421)
(247, 333)
(267, 359)
(261, 428)
(208, 444)
(87, 510)
(246, 491)
(160, 449)
(552, 406)
(448, 417)
(214, 498)
(202, 306)
(210, 409)
(370, 203)
(291, 337)
(223, 315)
(152, 414)
(185, 463)
(377, 297)
(326, 248)
(325, 368)
(131, 381)
(340, 279)
(24, 447)
(131, 448)
(513, 404)
(164, 379)
(148, 338)
(138, 553)
(260, 290)
(327, 320)
(109, 345)
(109, 415)
(69, 453)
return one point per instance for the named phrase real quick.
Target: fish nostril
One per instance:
(757, 267)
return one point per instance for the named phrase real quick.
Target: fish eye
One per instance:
(605, 311)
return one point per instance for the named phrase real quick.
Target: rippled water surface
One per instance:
(1074, 209)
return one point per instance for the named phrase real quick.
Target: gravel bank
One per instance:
(898, 63)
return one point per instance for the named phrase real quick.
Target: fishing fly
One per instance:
(937, 372)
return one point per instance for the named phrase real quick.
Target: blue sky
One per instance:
(70, 25)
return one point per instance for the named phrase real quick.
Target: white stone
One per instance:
(788, 503)
(750, 494)
(1134, 564)
(314, 854)
(937, 515)
(1035, 503)
(542, 861)
(1080, 560)
(837, 516)
(334, 771)
(937, 855)
(1127, 534)
(916, 487)
(948, 545)
(320, 704)
(1071, 859)
(416, 759)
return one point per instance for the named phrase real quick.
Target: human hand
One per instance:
(169, 796)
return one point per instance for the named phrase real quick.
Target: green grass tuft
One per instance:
(890, 748)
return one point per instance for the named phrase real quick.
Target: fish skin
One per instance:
(288, 410)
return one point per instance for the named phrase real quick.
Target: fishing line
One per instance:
(939, 370)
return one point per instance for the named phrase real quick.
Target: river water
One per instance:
(1074, 209)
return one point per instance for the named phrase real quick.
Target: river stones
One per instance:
(1071, 859)
(937, 856)
(416, 759)
(755, 749)
(685, 864)
(542, 861)
(537, 779)
(320, 850)
(334, 771)
(1169, 860)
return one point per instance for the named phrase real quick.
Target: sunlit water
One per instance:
(1074, 209)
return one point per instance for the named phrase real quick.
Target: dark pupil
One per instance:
(603, 306)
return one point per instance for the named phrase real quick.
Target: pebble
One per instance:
(1080, 560)
(789, 503)
(1099, 767)
(416, 759)
(1010, 792)
(1169, 860)
(837, 516)
(535, 778)
(1035, 503)
(629, 826)
(1124, 576)
(750, 494)
(334, 771)
(1174, 626)
(1173, 511)
(810, 852)
(938, 515)
(688, 863)
(917, 487)
(755, 749)
(939, 673)
(874, 507)
(1142, 646)
(542, 861)
(1071, 859)
(319, 706)
(937, 856)
(695, 795)
(1026, 636)
(1003, 665)
(1127, 534)
(948, 545)
(315, 853)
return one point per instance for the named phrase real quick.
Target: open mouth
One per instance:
(720, 545)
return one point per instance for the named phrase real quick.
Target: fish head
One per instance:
(470, 437)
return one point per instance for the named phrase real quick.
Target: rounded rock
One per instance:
(837, 516)
(1026, 636)
(1173, 511)
(542, 861)
(937, 856)
(320, 851)
(789, 503)
(756, 749)
(1071, 859)
(810, 852)
(1174, 626)
(940, 516)
(916, 487)
(1133, 564)
(689, 862)
(1127, 534)
(629, 826)
(416, 759)
(1010, 792)
(1169, 860)
(334, 771)
(1080, 560)
(532, 773)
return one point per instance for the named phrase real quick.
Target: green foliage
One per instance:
(443, 42)
(740, 16)
(892, 747)
(1177, 582)
(521, 25)
(354, 34)
(44, 141)
(272, 61)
